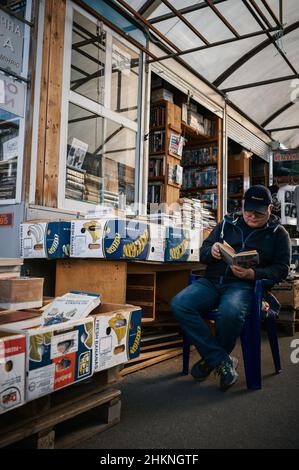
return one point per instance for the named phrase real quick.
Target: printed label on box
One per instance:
(40, 382)
(64, 344)
(12, 373)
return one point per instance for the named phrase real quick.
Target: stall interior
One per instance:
(244, 170)
(184, 149)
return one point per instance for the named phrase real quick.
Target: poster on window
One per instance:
(77, 153)
(10, 148)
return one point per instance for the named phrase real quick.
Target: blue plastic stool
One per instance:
(250, 338)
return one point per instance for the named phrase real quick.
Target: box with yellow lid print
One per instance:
(57, 355)
(117, 334)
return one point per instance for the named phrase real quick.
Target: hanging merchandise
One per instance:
(285, 196)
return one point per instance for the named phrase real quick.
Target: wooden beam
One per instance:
(51, 174)
(41, 145)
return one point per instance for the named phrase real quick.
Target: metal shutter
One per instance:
(244, 137)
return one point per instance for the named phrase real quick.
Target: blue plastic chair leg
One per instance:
(251, 349)
(186, 355)
(273, 340)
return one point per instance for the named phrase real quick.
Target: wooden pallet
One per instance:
(64, 418)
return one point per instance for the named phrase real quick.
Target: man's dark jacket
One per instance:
(272, 243)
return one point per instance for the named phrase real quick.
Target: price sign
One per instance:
(6, 220)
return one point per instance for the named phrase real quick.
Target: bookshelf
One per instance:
(165, 172)
(238, 179)
(201, 162)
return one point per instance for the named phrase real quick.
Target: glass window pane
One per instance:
(9, 154)
(101, 157)
(88, 58)
(124, 83)
(16, 6)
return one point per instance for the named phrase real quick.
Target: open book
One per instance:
(244, 259)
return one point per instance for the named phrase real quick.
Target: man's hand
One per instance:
(243, 273)
(215, 252)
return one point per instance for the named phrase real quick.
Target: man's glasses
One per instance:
(255, 214)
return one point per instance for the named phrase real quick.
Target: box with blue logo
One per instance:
(117, 334)
(40, 239)
(177, 244)
(110, 238)
(126, 239)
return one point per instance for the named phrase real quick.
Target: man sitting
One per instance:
(230, 288)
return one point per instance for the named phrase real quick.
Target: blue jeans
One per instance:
(233, 301)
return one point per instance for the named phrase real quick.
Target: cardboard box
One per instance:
(161, 94)
(58, 356)
(177, 244)
(126, 239)
(195, 244)
(110, 238)
(87, 238)
(12, 370)
(238, 164)
(21, 293)
(287, 293)
(45, 239)
(117, 334)
(157, 242)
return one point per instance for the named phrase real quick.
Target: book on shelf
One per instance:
(175, 174)
(155, 192)
(244, 259)
(156, 167)
(176, 144)
(70, 306)
(157, 141)
(157, 116)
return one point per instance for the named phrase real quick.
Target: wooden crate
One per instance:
(141, 291)
(287, 293)
(22, 292)
(96, 276)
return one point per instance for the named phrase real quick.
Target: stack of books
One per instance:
(191, 212)
(93, 185)
(109, 197)
(208, 219)
(75, 186)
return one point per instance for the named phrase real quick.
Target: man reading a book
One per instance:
(228, 282)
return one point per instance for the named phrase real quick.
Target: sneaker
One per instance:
(227, 374)
(201, 370)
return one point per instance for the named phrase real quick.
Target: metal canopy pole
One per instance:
(222, 18)
(277, 113)
(272, 38)
(184, 20)
(271, 12)
(288, 128)
(147, 23)
(213, 44)
(248, 55)
(183, 11)
(265, 82)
